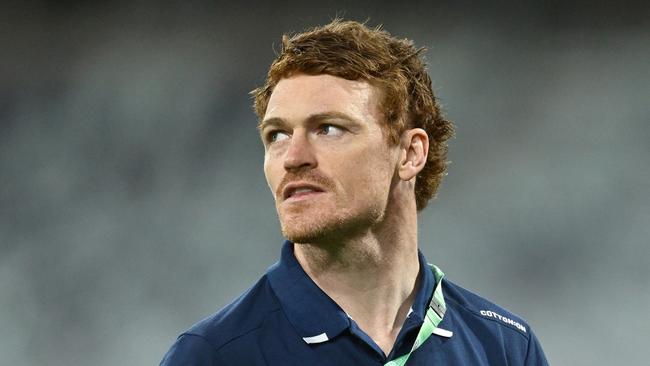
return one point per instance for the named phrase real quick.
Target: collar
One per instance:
(314, 315)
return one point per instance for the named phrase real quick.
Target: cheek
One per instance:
(368, 174)
(382, 170)
(270, 172)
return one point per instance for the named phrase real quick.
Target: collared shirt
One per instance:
(286, 319)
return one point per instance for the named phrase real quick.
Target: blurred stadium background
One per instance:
(133, 202)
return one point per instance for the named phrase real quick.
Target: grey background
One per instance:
(133, 202)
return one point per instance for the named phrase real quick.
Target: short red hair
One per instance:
(353, 51)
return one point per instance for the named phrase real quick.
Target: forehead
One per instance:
(302, 95)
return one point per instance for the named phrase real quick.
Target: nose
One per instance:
(300, 153)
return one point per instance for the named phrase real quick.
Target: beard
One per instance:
(338, 214)
(326, 223)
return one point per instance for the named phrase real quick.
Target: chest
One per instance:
(268, 348)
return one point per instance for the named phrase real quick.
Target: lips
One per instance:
(299, 189)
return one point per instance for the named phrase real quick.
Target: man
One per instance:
(355, 145)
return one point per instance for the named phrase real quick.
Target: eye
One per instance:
(331, 130)
(276, 135)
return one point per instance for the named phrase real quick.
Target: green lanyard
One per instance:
(435, 313)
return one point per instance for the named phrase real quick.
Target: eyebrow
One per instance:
(312, 119)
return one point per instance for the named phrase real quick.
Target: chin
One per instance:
(304, 229)
(324, 226)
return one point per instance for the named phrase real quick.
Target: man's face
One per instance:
(326, 159)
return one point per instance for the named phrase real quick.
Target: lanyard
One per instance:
(435, 313)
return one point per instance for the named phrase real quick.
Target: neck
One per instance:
(373, 277)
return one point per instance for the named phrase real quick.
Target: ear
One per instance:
(414, 148)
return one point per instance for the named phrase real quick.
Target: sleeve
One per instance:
(190, 350)
(535, 355)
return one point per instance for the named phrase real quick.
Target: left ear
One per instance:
(414, 147)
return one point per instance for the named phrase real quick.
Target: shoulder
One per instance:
(246, 314)
(482, 309)
(493, 326)
(243, 315)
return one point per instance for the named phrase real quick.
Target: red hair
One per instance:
(353, 51)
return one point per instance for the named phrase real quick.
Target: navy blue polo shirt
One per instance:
(286, 319)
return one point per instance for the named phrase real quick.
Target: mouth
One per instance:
(298, 190)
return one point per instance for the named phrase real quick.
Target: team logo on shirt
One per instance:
(492, 314)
